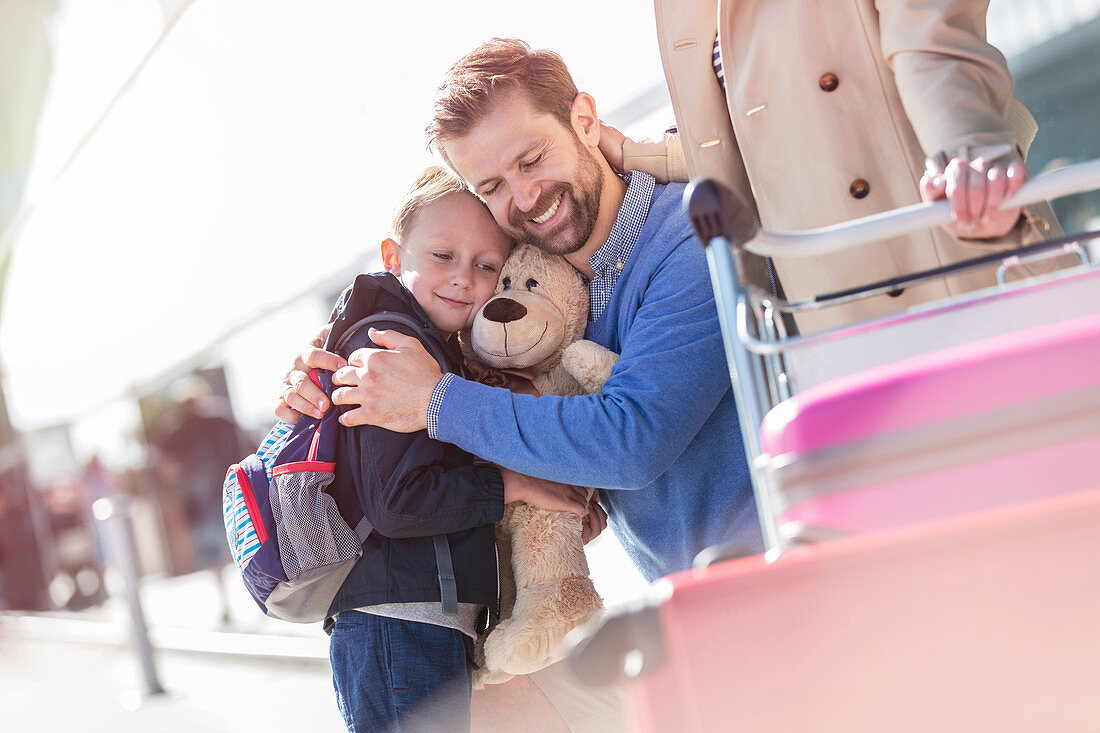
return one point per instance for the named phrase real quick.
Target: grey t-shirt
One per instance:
(430, 613)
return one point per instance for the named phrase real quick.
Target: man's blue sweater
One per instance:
(662, 440)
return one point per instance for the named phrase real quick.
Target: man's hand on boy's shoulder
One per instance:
(299, 395)
(391, 386)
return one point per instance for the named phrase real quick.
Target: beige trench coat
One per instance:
(831, 108)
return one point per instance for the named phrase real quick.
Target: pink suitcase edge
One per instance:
(968, 379)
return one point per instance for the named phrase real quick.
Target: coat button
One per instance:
(859, 188)
(828, 82)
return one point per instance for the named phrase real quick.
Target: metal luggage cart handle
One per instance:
(1021, 260)
(1078, 178)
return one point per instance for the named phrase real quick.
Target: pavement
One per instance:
(79, 671)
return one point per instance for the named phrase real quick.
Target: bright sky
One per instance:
(261, 149)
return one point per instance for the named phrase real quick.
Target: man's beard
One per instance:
(572, 233)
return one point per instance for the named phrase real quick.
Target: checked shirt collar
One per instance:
(613, 254)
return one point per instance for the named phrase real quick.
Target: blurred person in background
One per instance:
(196, 441)
(3, 513)
(79, 580)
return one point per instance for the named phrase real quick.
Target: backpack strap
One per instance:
(393, 317)
(448, 591)
(363, 530)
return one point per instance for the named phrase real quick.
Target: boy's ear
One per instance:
(585, 121)
(391, 257)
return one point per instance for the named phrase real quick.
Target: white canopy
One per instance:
(258, 148)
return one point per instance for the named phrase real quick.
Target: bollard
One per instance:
(115, 516)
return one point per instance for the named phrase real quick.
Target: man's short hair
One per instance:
(493, 70)
(434, 183)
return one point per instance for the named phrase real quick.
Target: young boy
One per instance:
(407, 614)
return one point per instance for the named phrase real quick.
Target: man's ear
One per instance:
(586, 123)
(391, 256)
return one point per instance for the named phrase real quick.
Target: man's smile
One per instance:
(549, 213)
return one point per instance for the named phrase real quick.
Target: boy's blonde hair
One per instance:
(433, 184)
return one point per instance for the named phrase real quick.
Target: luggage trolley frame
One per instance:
(758, 348)
(737, 644)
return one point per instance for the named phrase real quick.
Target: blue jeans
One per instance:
(395, 675)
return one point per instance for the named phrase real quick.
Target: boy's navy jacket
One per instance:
(411, 487)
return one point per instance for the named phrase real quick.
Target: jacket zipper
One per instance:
(496, 554)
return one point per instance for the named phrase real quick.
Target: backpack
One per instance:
(291, 543)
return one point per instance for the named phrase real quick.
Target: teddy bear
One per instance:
(533, 328)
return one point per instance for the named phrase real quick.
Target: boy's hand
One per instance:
(390, 385)
(594, 522)
(299, 395)
(549, 495)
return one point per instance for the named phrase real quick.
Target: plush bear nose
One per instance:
(504, 310)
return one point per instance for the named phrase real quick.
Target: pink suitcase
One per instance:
(987, 622)
(982, 425)
(932, 515)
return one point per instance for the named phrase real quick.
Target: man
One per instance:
(662, 439)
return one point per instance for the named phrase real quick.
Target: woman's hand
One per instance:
(975, 189)
(611, 145)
